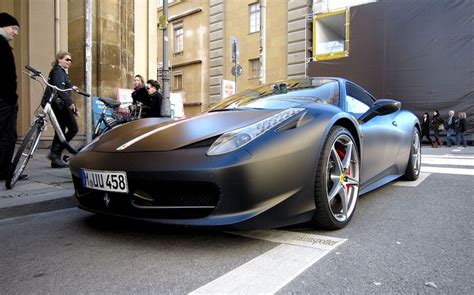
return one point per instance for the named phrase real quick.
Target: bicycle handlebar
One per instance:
(36, 73)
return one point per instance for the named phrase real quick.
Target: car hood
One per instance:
(165, 134)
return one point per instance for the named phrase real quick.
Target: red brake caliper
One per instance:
(341, 155)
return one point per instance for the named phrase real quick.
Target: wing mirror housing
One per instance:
(379, 108)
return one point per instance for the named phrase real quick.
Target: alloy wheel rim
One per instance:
(416, 156)
(342, 178)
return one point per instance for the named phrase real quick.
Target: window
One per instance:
(357, 100)
(178, 81)
(254, 17)
(331, 35)
(254, 66)
(178, 37)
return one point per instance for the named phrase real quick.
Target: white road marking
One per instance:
(450, 156)
(294, 238)
(271, 271)
(415, 183)
(447, 161)
(457, 171)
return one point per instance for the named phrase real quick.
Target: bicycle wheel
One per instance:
(24, 153)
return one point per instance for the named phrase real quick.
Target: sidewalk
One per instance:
(46, 189)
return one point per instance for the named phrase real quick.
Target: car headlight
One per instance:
(235, 139)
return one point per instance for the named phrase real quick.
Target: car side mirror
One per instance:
(379, 108)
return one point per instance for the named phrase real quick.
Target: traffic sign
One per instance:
(236, 71)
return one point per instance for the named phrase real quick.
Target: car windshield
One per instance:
(282, 95)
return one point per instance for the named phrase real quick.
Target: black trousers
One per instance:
(67, 122)
(8, 136)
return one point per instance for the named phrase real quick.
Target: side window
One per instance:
(357, 100)
(355, 106)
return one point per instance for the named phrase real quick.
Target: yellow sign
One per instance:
(162, 22)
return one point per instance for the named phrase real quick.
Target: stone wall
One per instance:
(112, 47)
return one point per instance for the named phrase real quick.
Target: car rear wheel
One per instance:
(414, 161)
(337, 180)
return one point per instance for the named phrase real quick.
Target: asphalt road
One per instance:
(402, 240)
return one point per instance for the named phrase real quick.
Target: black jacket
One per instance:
(425, 125)
(462, 125)
(7, 74)
(59, 77)
(155, 108)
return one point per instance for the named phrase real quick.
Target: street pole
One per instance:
(263, 45)
(235, 64)
(165, 106)
(88, 69)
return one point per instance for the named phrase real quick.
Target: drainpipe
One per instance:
(88, 69)
(56, 26)
(165, 107)
(263, 42)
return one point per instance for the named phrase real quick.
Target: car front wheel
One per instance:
(337, 180)
(414, 161)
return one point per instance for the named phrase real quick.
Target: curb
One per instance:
(39, 207)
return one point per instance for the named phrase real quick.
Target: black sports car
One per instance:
(277, 154)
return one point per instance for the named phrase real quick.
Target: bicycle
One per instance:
(106, 123)
(30, 142)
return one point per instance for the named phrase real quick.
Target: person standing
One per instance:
(139, 94)
(425, 129)
(155, 98)
(63, 107)
(438, 125)
(461, 130)
(450, 128)
(9, 28)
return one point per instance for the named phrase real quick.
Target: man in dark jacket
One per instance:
(9, 28)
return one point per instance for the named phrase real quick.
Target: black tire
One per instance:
(23, 154)
(414, 161)
(336, 187)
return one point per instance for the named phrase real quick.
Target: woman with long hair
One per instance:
(461, 130)
(437, 122)
(63, 106)
(425, 129)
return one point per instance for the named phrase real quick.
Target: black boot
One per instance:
(58, 163)
(55, 156)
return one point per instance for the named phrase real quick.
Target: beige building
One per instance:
(126, 41)
(200, 38)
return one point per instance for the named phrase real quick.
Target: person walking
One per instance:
(9, 28)
(438, 126)
(461, 130)
(63, 106)
(450, 128)
(425, 129)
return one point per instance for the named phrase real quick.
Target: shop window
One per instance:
(331, 35)
(254, 17)
(178, 37)
(254, 66)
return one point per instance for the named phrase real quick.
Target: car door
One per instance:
(380, 138)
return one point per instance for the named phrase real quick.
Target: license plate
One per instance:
(111, 181)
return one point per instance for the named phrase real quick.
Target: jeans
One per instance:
(460, 136)
(449, 137)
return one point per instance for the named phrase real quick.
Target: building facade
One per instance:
(201, 36)
(126, 41)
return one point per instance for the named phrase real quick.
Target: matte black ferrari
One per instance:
(278, 154)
